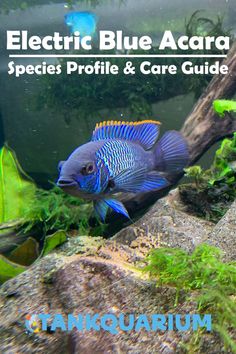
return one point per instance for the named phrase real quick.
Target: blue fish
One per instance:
(83, 22)
(122, 157)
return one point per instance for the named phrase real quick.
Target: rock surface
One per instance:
(167, 224)
(91, 275)
(224, 234)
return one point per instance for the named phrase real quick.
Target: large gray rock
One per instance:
(166, 225)
(97, 276)
(100, 280)
(224, 234)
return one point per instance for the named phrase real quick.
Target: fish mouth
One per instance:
(67, 183)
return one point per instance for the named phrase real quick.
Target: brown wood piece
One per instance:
(202, 128)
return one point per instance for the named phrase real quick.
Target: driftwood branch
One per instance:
(202, 128)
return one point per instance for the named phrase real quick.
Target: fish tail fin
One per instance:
(171, 152)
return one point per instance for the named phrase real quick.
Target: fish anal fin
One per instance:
(117, 206)
(101, 209)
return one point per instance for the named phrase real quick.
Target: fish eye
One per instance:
(88, 169)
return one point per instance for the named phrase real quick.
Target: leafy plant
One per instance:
(16, 188)
(222, 106)
(53, 210)
(20, 199)
(27, 253)
(9, 269)
(53, 241)
(202, 271)
(196, 173)
(34, 221)
(214, 189)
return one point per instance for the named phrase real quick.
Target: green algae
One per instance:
(204, 275)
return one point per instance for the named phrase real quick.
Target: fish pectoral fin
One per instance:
(130, 180)
(139, 183)
(101, 209)
(117, 207)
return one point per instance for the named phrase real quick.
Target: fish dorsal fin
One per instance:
(144, 132)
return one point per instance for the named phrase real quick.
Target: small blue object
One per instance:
(83, 22)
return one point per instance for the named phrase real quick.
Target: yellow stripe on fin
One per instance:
(143, 132)
(111, 122)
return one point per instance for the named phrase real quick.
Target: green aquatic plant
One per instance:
(196, 173)
(214, 189)
(222, 106)
(8, 5)
(53, 210)
(20, 199)
(198, 25)
(27, 253)
(9, 269)
(202, 268)
(16, 188)
(204, 274)
(224, 163)
(83, 96)
(34, 221)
